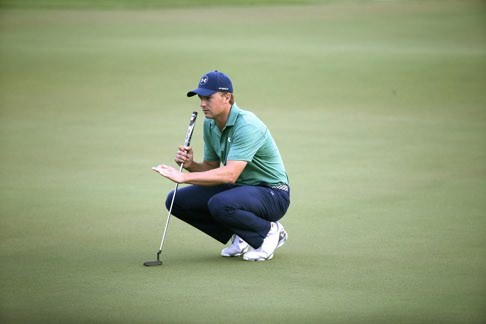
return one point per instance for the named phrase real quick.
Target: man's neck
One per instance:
(223, 118)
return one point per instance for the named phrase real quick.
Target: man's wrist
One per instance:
(184, 177)
(188, 167)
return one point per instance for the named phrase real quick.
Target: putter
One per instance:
(187, 142)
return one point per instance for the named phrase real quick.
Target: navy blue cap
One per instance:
(212, 82)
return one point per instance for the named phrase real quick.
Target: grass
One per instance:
(378, 109)
(131, 4)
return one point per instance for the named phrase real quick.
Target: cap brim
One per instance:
(201, 91)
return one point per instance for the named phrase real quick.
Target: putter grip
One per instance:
(192, 123)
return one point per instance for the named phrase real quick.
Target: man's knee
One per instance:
(219, 207)
(168, 201)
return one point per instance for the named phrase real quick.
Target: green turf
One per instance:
(127, 4)
(378, 109)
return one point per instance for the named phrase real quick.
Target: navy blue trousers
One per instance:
(224, 210)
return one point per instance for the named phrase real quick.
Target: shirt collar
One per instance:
(233, 115)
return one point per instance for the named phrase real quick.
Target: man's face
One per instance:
(215, 105)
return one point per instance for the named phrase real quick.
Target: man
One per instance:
(240, 189)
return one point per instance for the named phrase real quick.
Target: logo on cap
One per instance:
(204, 80)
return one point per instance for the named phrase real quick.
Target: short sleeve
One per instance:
(246, 141)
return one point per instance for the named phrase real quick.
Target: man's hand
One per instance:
(170, 173)
(185, 156)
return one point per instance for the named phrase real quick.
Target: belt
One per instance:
(283, 187)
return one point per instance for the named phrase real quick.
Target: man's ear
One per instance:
(226, 96)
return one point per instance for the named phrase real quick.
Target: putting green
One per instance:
(379, 112)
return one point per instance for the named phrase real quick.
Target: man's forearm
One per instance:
(228, 173)
(211, 177)
(201, 167)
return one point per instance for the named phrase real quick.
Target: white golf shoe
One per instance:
(275, 239)
(282, 236)
(237, 248)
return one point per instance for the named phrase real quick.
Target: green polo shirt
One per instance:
(245, 138)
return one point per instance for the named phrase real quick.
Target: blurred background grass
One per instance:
(378, 109)
(152, 4)
(137, 4)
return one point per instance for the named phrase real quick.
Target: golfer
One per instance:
(240, 190)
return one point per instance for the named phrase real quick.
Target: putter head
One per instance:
(152, 263)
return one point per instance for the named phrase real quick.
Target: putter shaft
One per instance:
(187, 142)
(168, 216)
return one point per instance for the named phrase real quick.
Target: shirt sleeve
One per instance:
(246, 141)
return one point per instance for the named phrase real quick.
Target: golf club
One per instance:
(187, 142)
